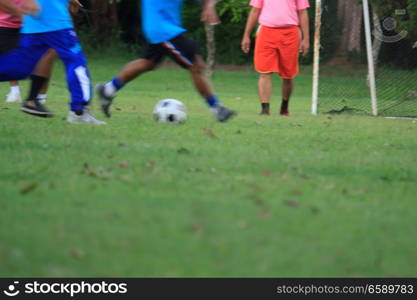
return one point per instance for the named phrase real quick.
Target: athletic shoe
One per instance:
(264, 112)
(36, 109)
(223, 114)
(265, 109)
(105, 101)
(42, 101)
(14, 97)
(284, 109)
(85, 117)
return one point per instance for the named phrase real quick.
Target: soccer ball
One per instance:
(170, 111)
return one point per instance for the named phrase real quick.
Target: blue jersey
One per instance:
(53, 16)
(161, 20)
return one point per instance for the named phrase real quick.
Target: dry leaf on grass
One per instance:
(124, 164)
(291, 203)
(209, 133)
(77, 253)
(98, 172)
(183, 150)
(265, 214)
(29, 187)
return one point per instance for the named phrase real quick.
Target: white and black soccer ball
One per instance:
(170, 111)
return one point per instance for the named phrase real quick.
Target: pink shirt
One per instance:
(279, 13)
(9, 21)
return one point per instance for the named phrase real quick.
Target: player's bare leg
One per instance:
(287, 88)
(107, 91)
(39, 84)
(205, 89)
(265, 91)
(201, 82)
(135, 68)
(44, 69)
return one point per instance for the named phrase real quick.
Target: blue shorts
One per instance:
(20, 63)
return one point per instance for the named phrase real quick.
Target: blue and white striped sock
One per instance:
(113, 86)
(212, 101)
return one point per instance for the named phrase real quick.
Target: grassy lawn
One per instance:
(298, 196)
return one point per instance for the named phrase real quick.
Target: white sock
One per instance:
(15, 89)
(41, 96)
(215, 109)
(109, 89)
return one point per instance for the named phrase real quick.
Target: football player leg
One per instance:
(185, 52)
(44, 69)
(265, 91)
(204, 87)
(288, 65)
(19, 63)
(39, 83)
(107, 91)
(14, 93)
(66, 44)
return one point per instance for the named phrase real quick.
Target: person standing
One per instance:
(161, 23)
(10, 22)
(282, 35)
(51, 28)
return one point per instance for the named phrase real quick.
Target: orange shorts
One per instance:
(276, 51)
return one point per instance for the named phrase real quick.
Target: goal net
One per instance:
(365, 59)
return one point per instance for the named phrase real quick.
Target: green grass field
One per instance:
(301, 196)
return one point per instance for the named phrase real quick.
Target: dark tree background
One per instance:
(104, 23)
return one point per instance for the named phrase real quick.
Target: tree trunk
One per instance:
(354, 44)
(104, 21)
(377, 43)
(350, 15)
(211, 50)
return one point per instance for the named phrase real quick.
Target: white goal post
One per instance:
(316, 64)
